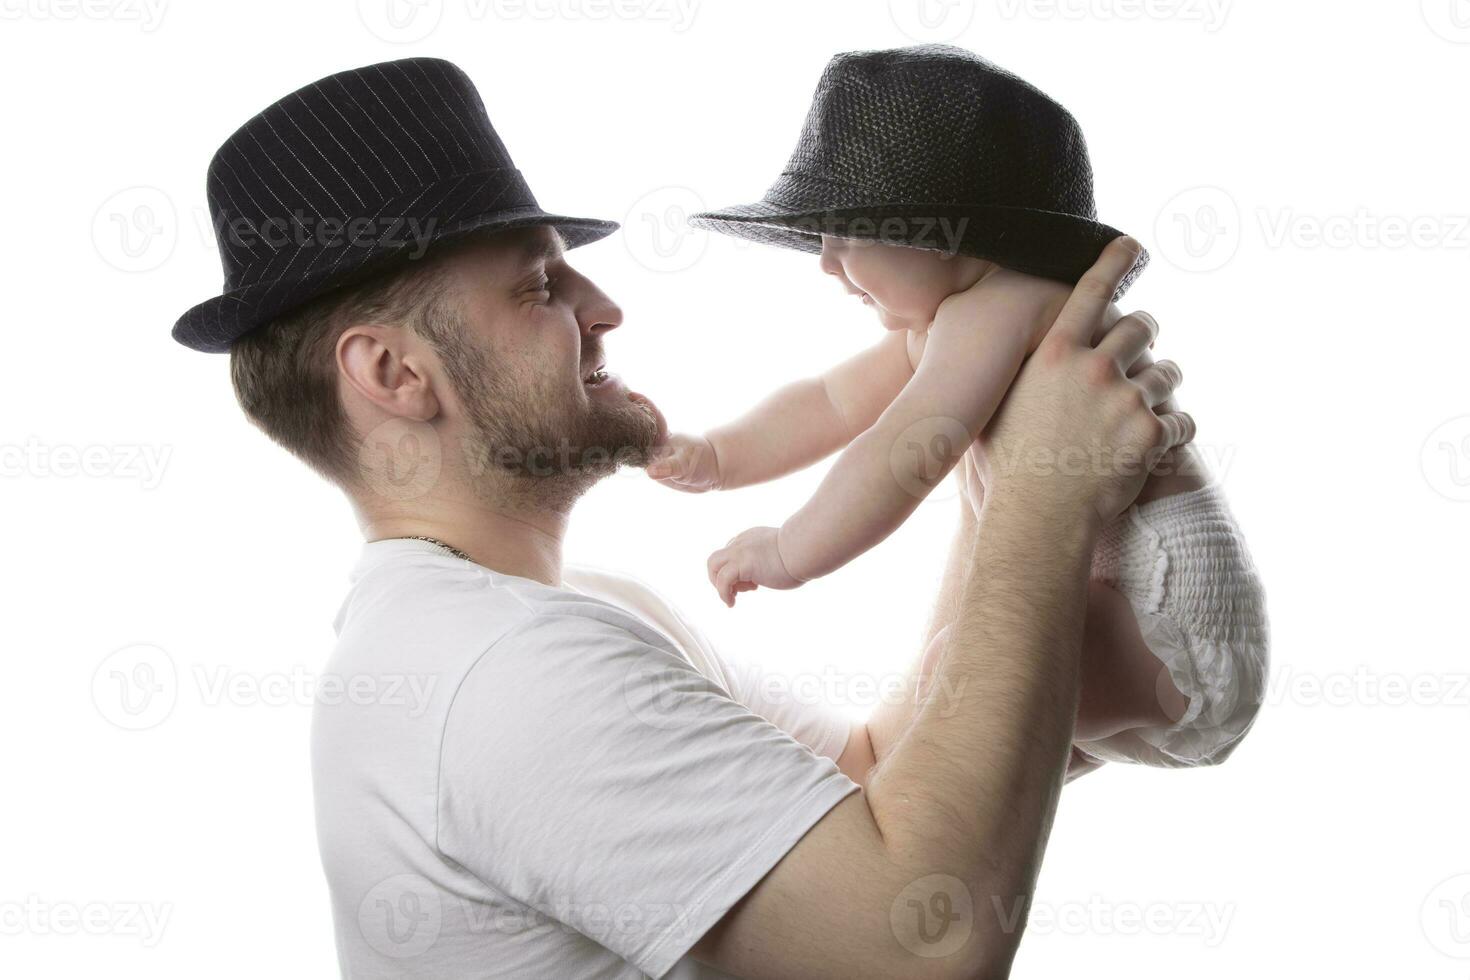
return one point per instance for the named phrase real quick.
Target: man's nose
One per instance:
(600, 315)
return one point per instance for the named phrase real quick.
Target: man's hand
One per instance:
(687, 463)
(1074, 423)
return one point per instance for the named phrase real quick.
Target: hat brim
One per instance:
(213, 325)
(1040, 243)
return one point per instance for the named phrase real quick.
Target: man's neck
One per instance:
(512, 541)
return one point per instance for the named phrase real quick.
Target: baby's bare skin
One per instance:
(905, 410)
(958, 330)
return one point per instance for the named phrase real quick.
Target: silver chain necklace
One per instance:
(447, 547)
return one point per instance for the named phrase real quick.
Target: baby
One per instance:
(956, 201)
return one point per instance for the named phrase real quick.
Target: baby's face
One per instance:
(903, 285)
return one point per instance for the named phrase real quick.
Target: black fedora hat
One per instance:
(935, 147)
(339, 180)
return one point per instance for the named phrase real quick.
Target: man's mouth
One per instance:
(596, 376)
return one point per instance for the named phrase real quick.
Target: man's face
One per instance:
(529, 367)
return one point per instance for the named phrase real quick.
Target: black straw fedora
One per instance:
(933, 146)
(339, 180)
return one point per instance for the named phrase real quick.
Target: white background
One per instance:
(1297, 170)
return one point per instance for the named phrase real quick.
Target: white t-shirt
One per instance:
(515, 780)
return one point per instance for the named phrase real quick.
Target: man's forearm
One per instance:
(891, 717)
(971, 784)
(956, 572)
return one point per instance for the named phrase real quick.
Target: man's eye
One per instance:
(544, 286)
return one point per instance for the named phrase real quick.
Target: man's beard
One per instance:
(527, 435)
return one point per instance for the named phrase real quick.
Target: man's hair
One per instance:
(285, 372)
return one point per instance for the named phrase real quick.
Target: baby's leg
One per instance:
(1123, 685)
(1181, 563)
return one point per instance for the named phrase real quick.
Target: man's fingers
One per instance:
(1094, 291)
(1178, 429)
(1127, 339)
(1159, 381)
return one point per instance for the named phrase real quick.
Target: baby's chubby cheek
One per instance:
(909, 308)
(908, 292)
(906, 285)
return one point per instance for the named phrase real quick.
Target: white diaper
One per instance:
(1183, 564)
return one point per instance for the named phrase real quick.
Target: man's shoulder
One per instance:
(474, 637)
(632, 595)
(433, 594)
(455, 608)
(611, 585)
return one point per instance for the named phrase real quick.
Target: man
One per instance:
(586, 789)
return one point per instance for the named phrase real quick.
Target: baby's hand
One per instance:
(686, 463)
(751, 559)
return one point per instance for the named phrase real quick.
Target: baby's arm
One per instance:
(791, 429)
(973, 352)
(809, 420)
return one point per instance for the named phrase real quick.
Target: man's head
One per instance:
(486, 355)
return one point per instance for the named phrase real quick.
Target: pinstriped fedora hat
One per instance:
(347, 176)
(933, 146)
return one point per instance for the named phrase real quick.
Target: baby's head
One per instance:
(904, 285)
(949, 148)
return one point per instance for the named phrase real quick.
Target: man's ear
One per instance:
(386, 366)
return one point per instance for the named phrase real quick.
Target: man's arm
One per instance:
(960, 809)
(1123, 683)
(1120, 682)
(872, 740)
